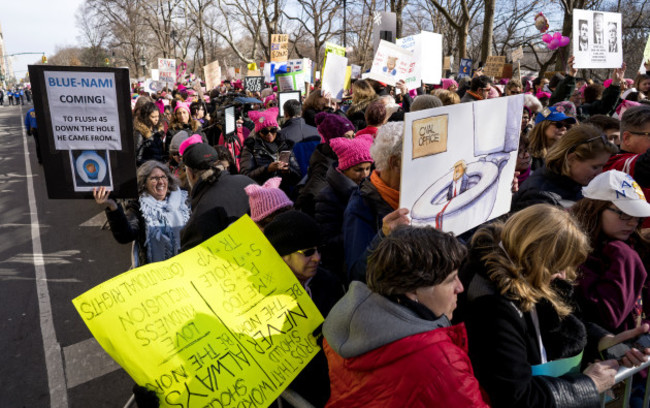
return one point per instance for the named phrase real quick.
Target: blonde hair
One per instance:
(446, 97)
(575, 141)
(538, 146)
(524, 253)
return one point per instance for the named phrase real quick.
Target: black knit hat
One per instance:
(292, 231)
(200, 156)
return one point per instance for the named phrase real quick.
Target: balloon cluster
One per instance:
(554, 41)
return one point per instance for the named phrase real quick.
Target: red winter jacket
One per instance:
(429, 369)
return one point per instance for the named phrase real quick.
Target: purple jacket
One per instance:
(609, 285)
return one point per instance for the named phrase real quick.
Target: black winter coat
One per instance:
(296, 130)
(218, 199)
(319, 163)
(128, 226)
(503, 342)
(330, 206)
(546, 180)
(257, 155)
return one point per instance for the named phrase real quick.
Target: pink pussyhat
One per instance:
(194, 139)
(182, 105)
(351, 151)
(266, 199)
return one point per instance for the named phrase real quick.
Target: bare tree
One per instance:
(94, 34)
(397, 7)
(458, 14)
(316, 23)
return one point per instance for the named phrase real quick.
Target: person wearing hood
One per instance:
(391, 343)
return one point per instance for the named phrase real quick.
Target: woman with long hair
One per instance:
(148, 134)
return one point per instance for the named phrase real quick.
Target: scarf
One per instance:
(475, 95)
(390, 195)
(163, 223)
(523, 176)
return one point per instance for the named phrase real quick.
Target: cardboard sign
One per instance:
(517, 54)
(446, 63)
(465, 69)
(212, 73)
(85, 129)
(494, 66)
(224, 323)
(458, 162)
(597, 39)
(334, 76)
(393, 63)
(279, 47)
(167, 71)
(254, 83)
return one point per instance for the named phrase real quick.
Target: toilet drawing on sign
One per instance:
(454, 203)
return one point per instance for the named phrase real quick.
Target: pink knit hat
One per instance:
(351, 151)
(264, 119)
(447, 82)
(182, 105)
(188, 142)
(266, 199)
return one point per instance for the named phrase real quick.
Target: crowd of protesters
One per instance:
(416, 316)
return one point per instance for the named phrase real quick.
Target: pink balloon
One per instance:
(557, 36)
(553, 44)
(547, 38)
(564, 41)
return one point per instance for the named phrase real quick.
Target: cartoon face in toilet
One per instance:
(460, 180)
(473, 175)
(391, 63)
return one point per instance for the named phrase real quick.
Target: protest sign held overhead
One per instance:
(494, 66)
(86, 129)
(226, 322)
(392, 63)
(470, 151)
(212, 73)
(334, 76)
(597, 39)
(254, 83)
(279, 47)
(465, 69)
(167, 71)
(426, 48)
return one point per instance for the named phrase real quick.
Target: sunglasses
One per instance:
(560, 125)
(308, 252)
(624, 217)
(602, 138)
(266, 131)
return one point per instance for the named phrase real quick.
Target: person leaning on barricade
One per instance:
(296, 237)
(527, 347)
(391, 343)
(155, 220)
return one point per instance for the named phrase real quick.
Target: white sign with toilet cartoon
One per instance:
(469, 164)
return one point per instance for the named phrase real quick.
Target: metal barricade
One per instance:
(626, 374)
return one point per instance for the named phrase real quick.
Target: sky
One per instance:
(37, 26)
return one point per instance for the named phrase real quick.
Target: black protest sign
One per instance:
(254, 83)
(85, 129)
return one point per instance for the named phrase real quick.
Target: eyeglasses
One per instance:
(560, 125)
(640, 133)
(602, 138)
(624, 217)
(266, 131)
(522, 153)
(157, 179)
(308, 252)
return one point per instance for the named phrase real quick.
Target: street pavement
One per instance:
(50, 252)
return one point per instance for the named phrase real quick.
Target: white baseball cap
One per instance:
(620, 189)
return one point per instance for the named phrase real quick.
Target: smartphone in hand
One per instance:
(284, 156)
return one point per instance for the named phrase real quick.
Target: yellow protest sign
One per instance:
(279, 47)
(348, 78)
(223, 324)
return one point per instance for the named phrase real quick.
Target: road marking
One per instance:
(85, 361)
(53, 358)
(97, 221)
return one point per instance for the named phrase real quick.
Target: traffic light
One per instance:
(107, 62)
(44, 59)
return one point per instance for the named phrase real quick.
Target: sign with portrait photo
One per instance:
(597, 39)
(393, 63)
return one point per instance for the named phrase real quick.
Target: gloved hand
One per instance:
(145, 398)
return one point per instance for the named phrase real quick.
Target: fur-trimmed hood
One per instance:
(145, 130)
